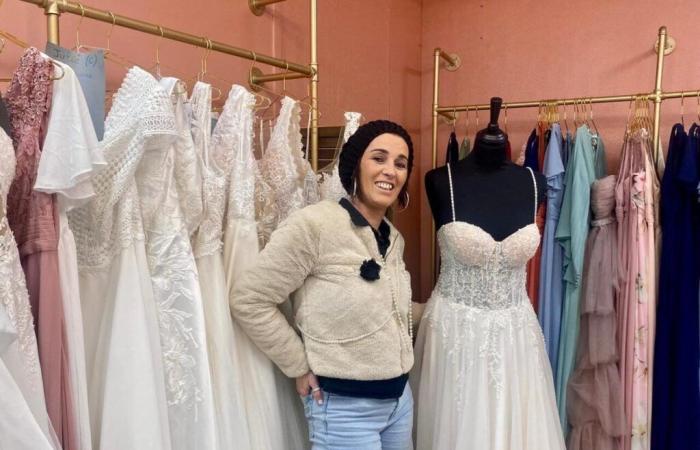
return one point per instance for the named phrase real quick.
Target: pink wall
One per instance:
(219, 20)
(369, 55)
(375, 57)
(529, 50)
(368, 50)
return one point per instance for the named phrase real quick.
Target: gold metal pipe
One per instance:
(53, 13)
(262, 79)
(314, 85)
(446, 110)
(679, 94)
(257, 7)
(436, 101)
(451, 60)
(157, 30)
(657, 89)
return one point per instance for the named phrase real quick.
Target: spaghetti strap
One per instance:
(534, 185)
(452, 195)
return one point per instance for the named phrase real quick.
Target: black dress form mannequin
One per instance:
(490, 191)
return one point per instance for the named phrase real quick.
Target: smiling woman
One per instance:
(380, 178)
(342, 262)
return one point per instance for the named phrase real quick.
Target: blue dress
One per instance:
(531, 160)
(551, 266)
(676, 391)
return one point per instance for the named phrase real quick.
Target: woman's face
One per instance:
(383, 171)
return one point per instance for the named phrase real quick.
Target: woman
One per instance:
(343, 265)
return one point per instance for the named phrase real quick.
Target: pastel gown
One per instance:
(636, 194)
(595, 401)
(33, 218)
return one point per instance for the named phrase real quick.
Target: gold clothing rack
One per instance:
(452, 63)
(54, 8)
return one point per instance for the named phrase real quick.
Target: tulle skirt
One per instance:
(482, 380)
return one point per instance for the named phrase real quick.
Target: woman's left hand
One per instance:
(308, 383)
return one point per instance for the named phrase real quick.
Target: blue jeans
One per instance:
(348, 423)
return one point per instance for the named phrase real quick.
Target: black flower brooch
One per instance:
(369, 270)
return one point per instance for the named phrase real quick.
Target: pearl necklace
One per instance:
(395, 303)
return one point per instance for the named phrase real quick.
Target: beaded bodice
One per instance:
(479, 271)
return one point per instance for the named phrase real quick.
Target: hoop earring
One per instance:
(408, 200)
(354, 188)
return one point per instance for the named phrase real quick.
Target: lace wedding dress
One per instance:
(283, 166)
(161, 175)
(226, 373)
(482, 377)
(24, 423)
(124, 363)
(275, 417)
(331, 188)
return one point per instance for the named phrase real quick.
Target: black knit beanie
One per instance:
(356, 145)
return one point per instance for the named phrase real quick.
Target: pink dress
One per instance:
(595, 409)
(33, 220)
(636, 195)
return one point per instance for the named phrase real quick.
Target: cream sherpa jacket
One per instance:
(350, 328)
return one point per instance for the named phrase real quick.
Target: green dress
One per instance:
(587, 165)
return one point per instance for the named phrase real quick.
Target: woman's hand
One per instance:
(309, 384)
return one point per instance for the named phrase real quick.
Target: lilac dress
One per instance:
(595, 408)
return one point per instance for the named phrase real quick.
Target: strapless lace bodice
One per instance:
(481, 272)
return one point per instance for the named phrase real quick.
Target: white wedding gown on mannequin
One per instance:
(482, 378)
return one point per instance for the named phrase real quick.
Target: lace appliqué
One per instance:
(207, 240)
(174, 278)
(470, 334)
(480, 304)
(13, 289)
(480, 272)
(188, 170)
(173, 274)
(15, 299)
(141, 119)
(244, 167)
(280, 165)
(330, 187)
(30, 213)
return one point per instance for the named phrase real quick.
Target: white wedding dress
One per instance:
(331, 188)
(70, 157)
(126, 382)
(275, 417)
(161, 175)
(227, 382)
(283, 166)
(24, 422)
(482, 378)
